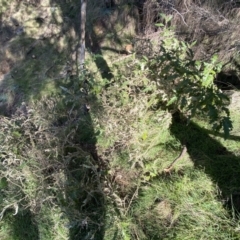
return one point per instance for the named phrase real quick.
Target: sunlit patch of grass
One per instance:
(52, 223)
(37, 74)
(182, 206)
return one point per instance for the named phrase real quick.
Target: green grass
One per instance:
(187, 204)
(132, 198)
(19, 227)
(100, 175)
(182, 206)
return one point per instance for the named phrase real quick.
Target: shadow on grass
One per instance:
(81, 199)
(23, 226)
(35, 70)
(80, 196)
(84, 199)
(100, 62)
(207, 153)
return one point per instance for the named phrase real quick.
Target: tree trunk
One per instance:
(82, 34)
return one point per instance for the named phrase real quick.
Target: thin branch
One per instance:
(133, 196)
(180, 15)
(169, 168)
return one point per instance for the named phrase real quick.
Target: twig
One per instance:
(14, 205)
(133, 196)
(169, 168)
(180, 15)
(122, 58)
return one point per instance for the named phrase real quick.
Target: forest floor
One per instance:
(84, 156)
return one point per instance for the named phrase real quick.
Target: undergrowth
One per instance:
(88, 162)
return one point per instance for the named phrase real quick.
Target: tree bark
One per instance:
(82, 34)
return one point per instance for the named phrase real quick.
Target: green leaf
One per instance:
(144, 136)
(163, 15)
(159, 25)
(17, 134)
(145, 58)
(3, 183)
(65, 89)
(172, 100)
(152, 174)
(227, 126)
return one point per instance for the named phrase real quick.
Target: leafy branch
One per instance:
(188, 85)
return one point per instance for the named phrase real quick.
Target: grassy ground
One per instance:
(75, 173)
